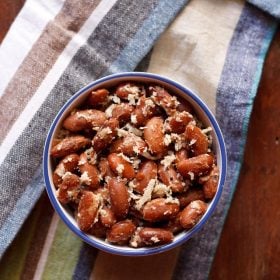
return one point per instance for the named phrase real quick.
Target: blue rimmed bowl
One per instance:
(203, 113)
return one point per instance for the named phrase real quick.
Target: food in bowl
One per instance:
(135, 164)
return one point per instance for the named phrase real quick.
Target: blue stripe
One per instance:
(236, 91)
(85, 263)
(150, 30)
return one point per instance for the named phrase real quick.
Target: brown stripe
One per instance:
(41, 58)
(39, 237)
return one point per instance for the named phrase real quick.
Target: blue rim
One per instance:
(138, 251)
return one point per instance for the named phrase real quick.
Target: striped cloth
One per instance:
(56, 47)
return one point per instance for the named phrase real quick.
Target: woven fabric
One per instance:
(46, 59)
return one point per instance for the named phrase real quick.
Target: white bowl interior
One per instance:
(201, 114)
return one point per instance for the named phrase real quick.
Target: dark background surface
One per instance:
(250, 243)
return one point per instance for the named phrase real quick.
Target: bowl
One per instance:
(203, 113)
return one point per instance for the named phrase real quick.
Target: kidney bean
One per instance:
(98, 97)
(154, 136)
(171, 178)
(160, 209)
(125, 89)
(119, 197)
(178, 121)
(155, 236)
(162, 98)
(89, 172)
(184, 105)
(98, 230)
(107, 217)
(174, 224)
(129, 145)
(87, 210)
(192, 213)
(121, 232)
(69, 188)
(147, 171)
(122, 112)
(191, 195)
(195, 166)
(67, 164)
(105, 135)
(84, 119)
(105, 170)
(120, 166)
(211, 185)
(198, 141)
(69, 145)
(181, 155)
(144, 111)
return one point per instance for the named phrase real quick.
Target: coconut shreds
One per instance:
(136, 150)
(122, 133)
(60, 170)
(82, 161)
(133, 119)
(82, 115)
(133, 129)
(125, 157)
(136, 163)
(66, 174)
(85, 179)
(120, 169)
(69, 159)
(193, 141)
(132, 99)
(172, 199)
(104, 131)
(148, 105)
(154, 239)
(109, 110)
(191, 174)
(91, 157)
(167, 161)
(179, 141)
(100, 178)
(162, 190)
(131, 88)
(135, 241)
(167, 139)
(101, 205)
(207, 129)
(147, 195)
(115, 99)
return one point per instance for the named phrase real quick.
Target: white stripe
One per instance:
(47, 246)
(24, 32)
(62, 62)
